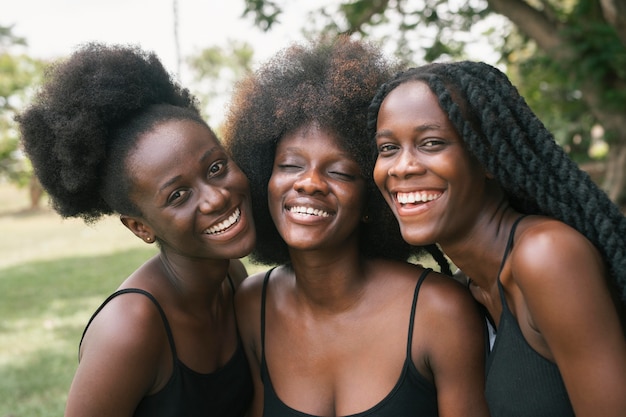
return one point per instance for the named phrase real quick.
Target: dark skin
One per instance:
(336, 324)
(191, 210)
(554, 279)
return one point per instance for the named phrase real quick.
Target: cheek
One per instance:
(380, 174)
(274, 197)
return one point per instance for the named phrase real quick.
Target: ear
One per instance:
(139, 228)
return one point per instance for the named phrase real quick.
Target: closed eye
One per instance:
(343, 175)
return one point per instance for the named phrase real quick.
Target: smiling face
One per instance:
(192, 196)
(316, 192)
(433, 185)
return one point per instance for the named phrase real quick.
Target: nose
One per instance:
(406, 165)
(212, 199)
(311, 182)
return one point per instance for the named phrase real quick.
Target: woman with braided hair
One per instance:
(342, 326)
(463, 162)
(111, 132)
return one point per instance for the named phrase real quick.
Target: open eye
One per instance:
(386, 148)
(432, 144)
(178, 197)
(217, 168)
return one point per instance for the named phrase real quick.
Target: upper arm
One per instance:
(457, 346)
(119, 357)
(563, 283)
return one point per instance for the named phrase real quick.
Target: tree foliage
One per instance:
(568, 57)
(216, 69)
(18, 73)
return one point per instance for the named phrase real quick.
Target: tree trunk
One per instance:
(615, 180)
(615, 13)
(35, 192)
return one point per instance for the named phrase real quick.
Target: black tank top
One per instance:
(413, 395)
(226, 392)
(521, 382)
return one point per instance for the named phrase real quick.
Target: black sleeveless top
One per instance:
(521, 382)
(226, 392)
(413, 395)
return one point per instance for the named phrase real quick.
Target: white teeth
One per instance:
(234, 218)
(416, 197)
(309, 210)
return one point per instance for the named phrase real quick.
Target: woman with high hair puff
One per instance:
(111, 132)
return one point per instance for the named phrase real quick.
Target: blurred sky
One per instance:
(53, 28)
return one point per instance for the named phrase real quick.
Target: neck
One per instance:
(478, 253)
(194, 280)
(332, 281)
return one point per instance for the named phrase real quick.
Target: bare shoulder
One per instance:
(548, 250)
(445, 298)
(251, 285)
(438, 292)
(129, 323)
(126, 346)
(248, 298)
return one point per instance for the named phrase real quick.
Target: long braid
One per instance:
(502, 132)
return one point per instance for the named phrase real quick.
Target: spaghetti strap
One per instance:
(168, 330)
(507, 250)
(509, 243)
(413, 307)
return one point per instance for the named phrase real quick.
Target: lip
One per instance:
(227, 225)
(307, 212)
(414, 201)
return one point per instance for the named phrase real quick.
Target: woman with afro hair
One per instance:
(463, 162)
(111, 132)
(336, 328)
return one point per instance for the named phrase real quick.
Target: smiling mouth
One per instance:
(416, 197)
(308, 211)
(226, 224)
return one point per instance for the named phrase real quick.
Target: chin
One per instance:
(415, 239)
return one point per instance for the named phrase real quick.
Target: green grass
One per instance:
(53, 274)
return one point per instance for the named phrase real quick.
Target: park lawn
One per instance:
(44, 306)
(53, 274)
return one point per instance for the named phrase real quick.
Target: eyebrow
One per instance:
(208, 153)
(421, 128)
(174, 179)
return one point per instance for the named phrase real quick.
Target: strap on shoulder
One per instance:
(168, 330)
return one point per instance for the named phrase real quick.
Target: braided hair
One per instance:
(87, 117)
(509, 140)
(329, 82)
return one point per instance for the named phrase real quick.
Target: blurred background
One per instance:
(567, 57)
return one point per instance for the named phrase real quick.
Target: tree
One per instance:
(215, 70)
(18, 73)
(581, 45)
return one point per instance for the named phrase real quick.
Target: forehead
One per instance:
(170, 145)
(314, 138)
(412, 100)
